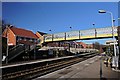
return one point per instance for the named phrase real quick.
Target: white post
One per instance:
(7, 47)
(113, 38)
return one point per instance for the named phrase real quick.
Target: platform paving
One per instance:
(85, 70)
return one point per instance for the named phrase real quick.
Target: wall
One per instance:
(11, 37)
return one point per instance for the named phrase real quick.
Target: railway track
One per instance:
(41, 70)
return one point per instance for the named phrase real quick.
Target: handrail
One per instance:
(18, 50)
(15, 52)
(14, 47)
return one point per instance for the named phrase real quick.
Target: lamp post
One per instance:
(50, 31)
(71, 28)
(95, 34)
(112, 21)
(93, 24)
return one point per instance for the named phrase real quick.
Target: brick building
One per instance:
(19, 36)
(21, 43)
(83, 45)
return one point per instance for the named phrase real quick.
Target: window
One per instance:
(39, 40)
(30, 40)
(19, 38)
(25, 39)
(35, 40)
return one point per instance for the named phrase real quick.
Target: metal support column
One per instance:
(59, 44)
(34, 51)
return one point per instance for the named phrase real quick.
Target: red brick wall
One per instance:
(11, 36)
(83, 44)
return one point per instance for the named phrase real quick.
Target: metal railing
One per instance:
(15, 52)
(18, 50)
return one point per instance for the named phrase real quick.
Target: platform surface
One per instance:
(88, 69)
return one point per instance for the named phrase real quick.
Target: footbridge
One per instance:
(95, 33)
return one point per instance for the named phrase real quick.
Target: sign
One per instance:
(50, 52)
(115, 31)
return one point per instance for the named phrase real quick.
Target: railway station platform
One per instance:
(85, 70)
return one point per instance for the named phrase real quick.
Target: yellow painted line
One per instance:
(48, 40)
(82, 37)
(71, 38)
(106, 35)
(59, 39)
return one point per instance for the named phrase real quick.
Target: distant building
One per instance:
(72, 44)
(65, 44)
(19, 36)
(82, 44)
(90, 46)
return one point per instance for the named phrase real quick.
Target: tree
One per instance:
(96, 45)
(4, 24)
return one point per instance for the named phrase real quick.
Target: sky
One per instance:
(59, 16)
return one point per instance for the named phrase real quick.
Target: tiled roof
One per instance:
(42, 33)
(23, 32)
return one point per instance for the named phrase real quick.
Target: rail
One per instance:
(33, 72)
